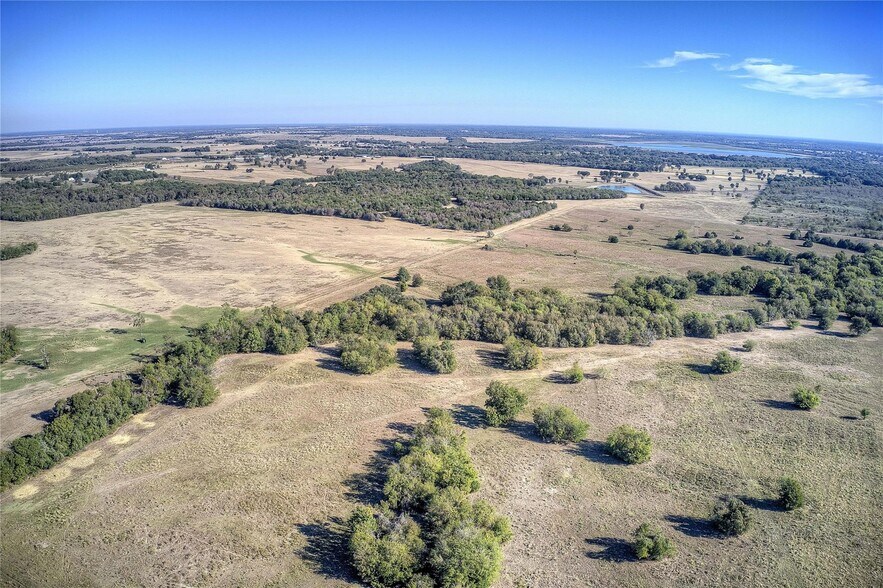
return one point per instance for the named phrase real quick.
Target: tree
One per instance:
(613, 239)
(503, 404)
(521, 354)
(435, 354)
(790, 494)
(386, 548)
(749, 345)
(195, 388)
(403, 275)
(559, 424)
(417, 281)
(865, 413)
(365, 355)
(725, 363)
(731, 516)
(650, 543)
(859, 326)
(9, 342)
(629, 444)
(574, 374)
(138, 323)
(807, 398)
(45, 358)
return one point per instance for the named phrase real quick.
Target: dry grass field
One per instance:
(253, 489)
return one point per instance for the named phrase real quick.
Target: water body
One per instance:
(621, 187)
(704, 149)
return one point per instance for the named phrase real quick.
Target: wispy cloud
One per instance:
(784, 78)
(682, 56)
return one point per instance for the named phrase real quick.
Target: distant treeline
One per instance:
(146, 150)
(13, 251)
(432, 193)
(31, 166)
(675, 187)
(109, 176)
(640, 311)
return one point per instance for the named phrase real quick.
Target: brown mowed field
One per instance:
(254, 489)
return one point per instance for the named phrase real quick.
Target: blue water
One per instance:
(621, 187)
(688, 148)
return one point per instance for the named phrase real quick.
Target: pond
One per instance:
(621, 187)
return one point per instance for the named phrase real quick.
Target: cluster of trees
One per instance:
(675, 187)
(428, 531)
(13, 251)
(841, 243)
(565, 228)
(109, 176)
(764, 252)
(692, 177)
(9, 342)
(146, 150)
(366, 354)
(435, 354)
(31, 166)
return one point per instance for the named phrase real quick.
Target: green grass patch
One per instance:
(311, 257)
(77, 353)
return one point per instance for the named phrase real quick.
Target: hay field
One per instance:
(253, 489)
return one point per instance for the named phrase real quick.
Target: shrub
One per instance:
(792, 323)
(503, 404)
(631, 227)
(865, 413)
(195, 388)
(466, 557)
(650, 543)
(731, 516)
(417, 281)
(8, 342)
(807, 398)
(790, 494)
(749, 345)
(629, 444)
(435, 355)
(521, 354)
(858, 326)
(403, 275)
(559, 424)
(725, 363)
(574, 374)
(613, 239)
(365, 355)
(386, 549)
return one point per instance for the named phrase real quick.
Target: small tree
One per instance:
(559, 424)
(365, 355)
(790, 494)
(807, 398)
(138, 323)
(629, 444)
(45, 359)
(731, 516)
(859, 326)
(749, 345)
(725, 363)
(792, 323)
(403, 275)
(613, 239)
(521, 354)
(574, 374)
(650, 543)
(865, 413)
(417, 281)
(503, 404)
(435, 354)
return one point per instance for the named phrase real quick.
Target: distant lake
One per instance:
(621, 187)
(702, 148)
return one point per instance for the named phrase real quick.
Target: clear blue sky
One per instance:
(786, 69)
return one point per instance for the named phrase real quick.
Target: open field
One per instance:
(253, 489)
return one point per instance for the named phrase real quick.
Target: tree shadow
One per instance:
(469, 416)
(610, 549)
(326, 548)
(693, 527)
(44, 415)
(367, 486)
(407, 358)
(491, 358)
(770, 504)
(595, 451)
(524, 429)
(778, 404)
(700, 368)
(117, 331)
(848, 417)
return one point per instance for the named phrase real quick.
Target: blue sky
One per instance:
(785, 69)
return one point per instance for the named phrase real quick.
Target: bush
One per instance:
(386, 549)
(629, 444)
(650, 543)
(365, 355)
(466, 557)
(790, 494)
(403, 275)
(731, 516)
(865, 413)
(807, 398)
(8, 342)
(749, 345)
(725, 363)
(559, 424)
(504, 403)
(195, 388)
(613, 239)
(521, 354)
(435, 355)
(792, 323)
(575, 374)
(859, 326)
(417, 281)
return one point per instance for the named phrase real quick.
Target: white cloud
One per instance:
(682, 56)
(783, 78)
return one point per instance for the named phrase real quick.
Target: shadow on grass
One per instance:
(610, 549)
(770, 504)
(407, 358)
(595, 451)
(469, 416)
(492, 359)
(693, 527)
(326, 548)
(367, 486)
(44, 415)
(561, 378)
(524, 429)
(700, 368)
(779, 404)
